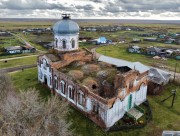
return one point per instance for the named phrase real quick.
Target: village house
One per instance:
(162, 52)
(177, 40)
(100, 40)
(102, 90)
(19, 49)
(150, 39)
(134, 49)
(136, 40)
(13, 49)
(154, 51)
(4, 33)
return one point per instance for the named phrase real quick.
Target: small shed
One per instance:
(157, 79)
(101, 40)
(150, 39)
(134, 49)
(136, 40)
(28, 49)
(154, 51)
(49, 45)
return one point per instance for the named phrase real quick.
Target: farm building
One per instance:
(150, 39)
(102, 90)
(157, 79)
(2, 33)
(153, 51)
(13, 49)
(19, 49)
(134, 49)
(100, 40)
(136, 40)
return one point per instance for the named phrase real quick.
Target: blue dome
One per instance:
(66, 26)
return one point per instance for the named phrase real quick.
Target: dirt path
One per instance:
(26, 42)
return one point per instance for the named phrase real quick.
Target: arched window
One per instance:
(55, 82)
(45, 64)
(81, 98)
(73, 43)
(62, 84)
(56, 42)
(71, 92)
(64, 44)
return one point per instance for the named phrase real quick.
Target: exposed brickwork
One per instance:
(68, 58)
(124, 81)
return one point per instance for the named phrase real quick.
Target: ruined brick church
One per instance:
(102, 91)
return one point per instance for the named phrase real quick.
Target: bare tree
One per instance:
(24, 113)
(5, 84)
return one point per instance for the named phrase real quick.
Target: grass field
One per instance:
(23, 80)
(15, 25)
(120, 51)
(18, 55)
(9, 41)
(18, 62)
(164, 117)
(29, 40)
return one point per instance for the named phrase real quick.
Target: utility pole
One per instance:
(174, 95)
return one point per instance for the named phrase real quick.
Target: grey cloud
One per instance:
(29, 4)
(97, 1)
(143, 5)
(108, 8)
(86, 7)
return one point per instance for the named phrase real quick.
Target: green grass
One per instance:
(23, 80)
(86, 45)
(9, 41)
(28, 39)
(120, 51)
(15, 25)
(18, 62)
(18, 55)
(164, 117)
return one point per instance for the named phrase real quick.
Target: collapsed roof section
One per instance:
(155, 75)
(158, 76)
(122, 63)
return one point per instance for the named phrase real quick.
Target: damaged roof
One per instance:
(53, 57)
(122, 63)
(158, 76)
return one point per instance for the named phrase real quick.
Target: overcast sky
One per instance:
(105, 9)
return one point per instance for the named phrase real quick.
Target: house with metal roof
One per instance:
(154, 51)
(13, 49)
(134, 49)
(19, 49)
